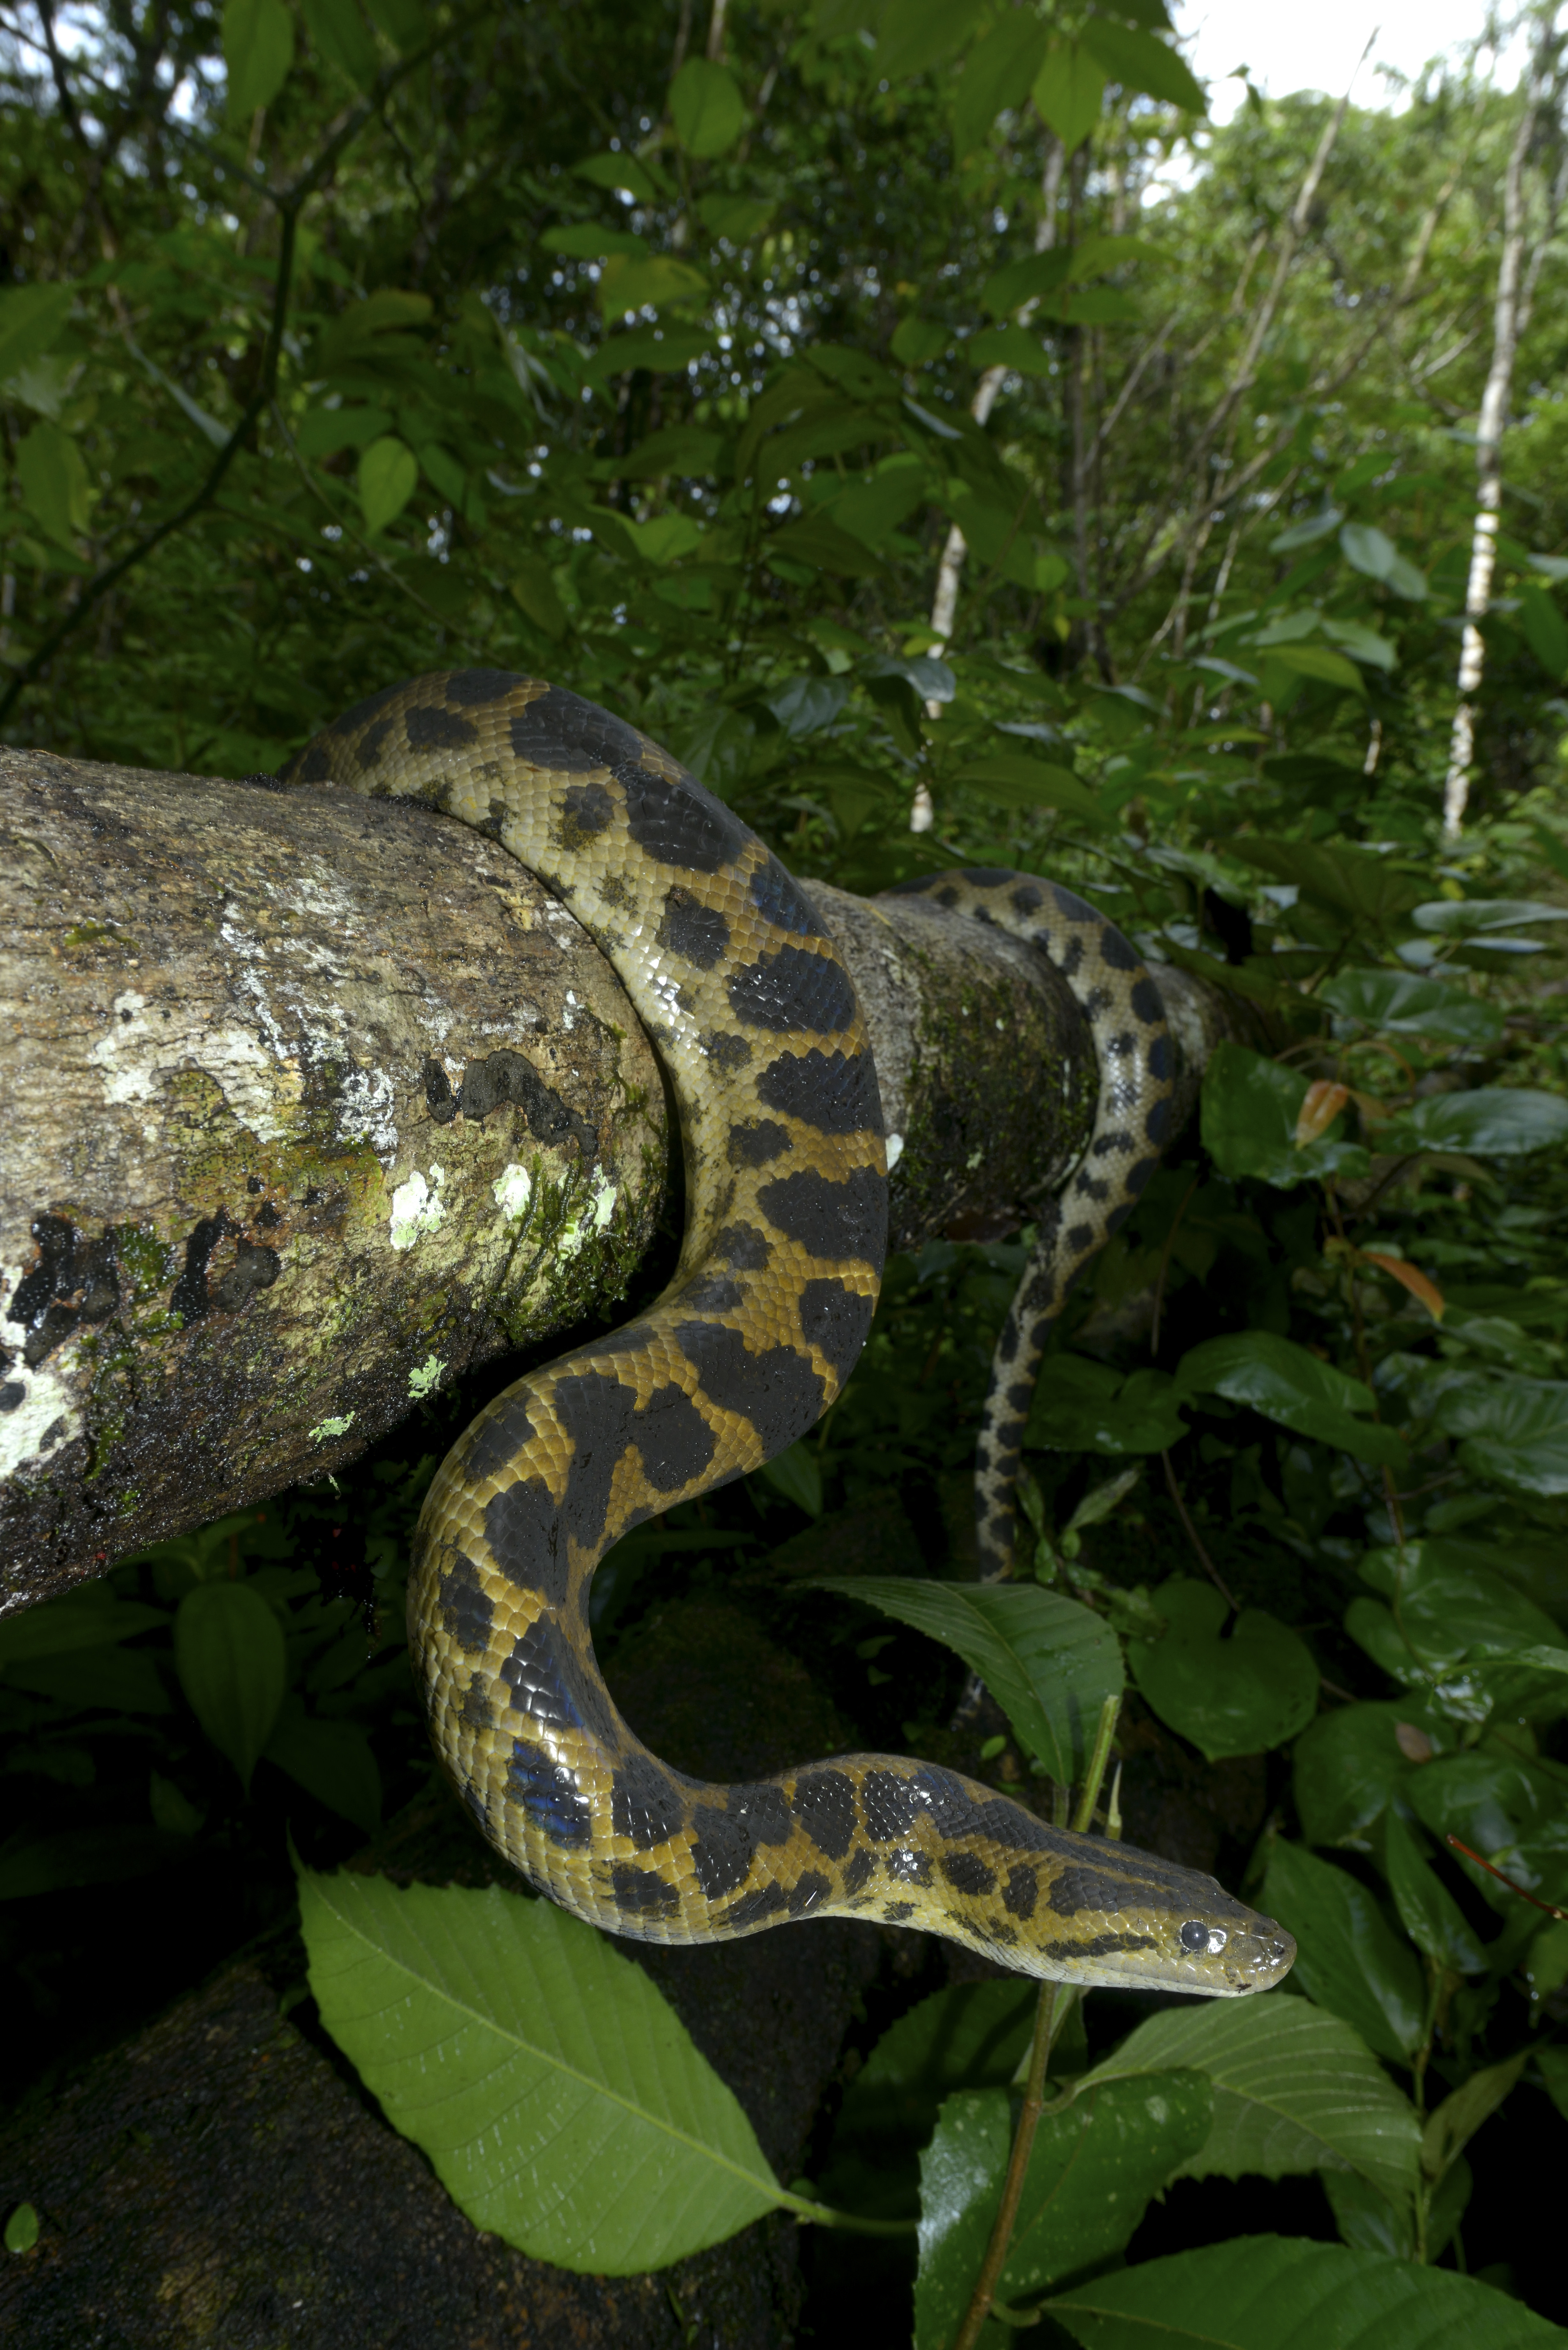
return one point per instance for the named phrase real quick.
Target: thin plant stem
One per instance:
(979, 2307)
(1212, 1572)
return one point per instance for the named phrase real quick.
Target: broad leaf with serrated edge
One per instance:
(1294, 2089)
(559, 2098)
(1294, 2295)
(1049, 1663)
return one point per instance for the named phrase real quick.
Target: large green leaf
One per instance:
(915, 35)
(1428, 1911)
(1294, 2295)
(1493, 1121)
(1049, 1663)
(1349, 1958)
(706, 108)
(1069, 91)
(1083, 1406)
(1140, 61)
(53, 478)
(1289, 1385)
(997, 73)
(91, 1616)
(1296, 2089)
(258, 50)
(557, 2095)
(1020, 782)
(1466, 918)
(1402, 1003)
(32, 318)
(962, 2173)
(332, 1760)
(1512, 1430)
(1238, 1695)
(388, 476)
(229, 1654)
(1350, 882)
(1094, 2166)
(1249, 1108)
(1348, 1766)
(337, 31)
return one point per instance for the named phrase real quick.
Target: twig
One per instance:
(1220, 1585)
(979, 2307)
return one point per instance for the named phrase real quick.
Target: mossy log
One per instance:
(312, 1102)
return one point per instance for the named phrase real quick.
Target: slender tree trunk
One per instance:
(1509, 316)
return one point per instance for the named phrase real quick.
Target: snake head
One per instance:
(1114, 1916)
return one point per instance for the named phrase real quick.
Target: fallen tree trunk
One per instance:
(315, 1102)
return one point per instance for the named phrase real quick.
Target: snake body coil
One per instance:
(755, 1020)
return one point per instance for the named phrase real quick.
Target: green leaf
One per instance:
(559, 2098)
(1083, 1406)
(229, 1654)
(1020, 782)
(1289, 1385)
(258, 50)
(388, 476)
(589, 241)
(22, 2229)
(91, 1617)
(1400, 1003)
(797, 1475)
(1304, 2296)
(618, 172)
(918, 341)
(33, 1863)
(1049, 1663)
(818, 540)
(1456, 2121)
(338, 33)
(1428, 1911)
(1140, 61)
(1371, 552)
(404, 22)
(663, 350)
(534, 592)
(1096, 2165)
(1349, 1958)
(1249, 1108)
(1349, 882)
(1235, 1696)
(333, 1762)
(962, 2173)
(32, 319)
(997, 73)
(1544, 629)
(324, 430)
(1010, 347)
(627, 283)
(1306, 534)
(1348, 1767)
(915, 35)
(1369, 2220)
(706, 108)
(54, 481)
(1296, 2089)
(1317, 662)
(115, 1680)
(972, 2036)
(1068, 92)
(1465, 918)
(1494, 1121)
(738, 218)
(1513, 1432)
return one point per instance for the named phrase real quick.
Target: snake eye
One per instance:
(1194, 1936)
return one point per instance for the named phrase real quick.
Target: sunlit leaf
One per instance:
(559, 2098)
(1049, 1663)
(1251, 1107)
(1424, 1290)
(1321, 1105)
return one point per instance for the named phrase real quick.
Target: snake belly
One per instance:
(755, 1020)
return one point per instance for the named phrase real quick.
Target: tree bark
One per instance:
(318, 1102)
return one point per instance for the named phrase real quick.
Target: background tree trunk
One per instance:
(316, 1102)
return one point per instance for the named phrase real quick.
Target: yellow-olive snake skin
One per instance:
(755, 1020)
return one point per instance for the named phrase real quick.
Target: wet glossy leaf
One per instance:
(1349, 1958)
(1049, 1663)
(559, 2098)
(1428, 1911)
(1466, 918)
(230, 1656)
(1251, 1106)
(1349, 1766)
(1301, 2295)
(1296, 2089)
(962, 2173)
(1495, 1121)
(1093, 2168)
(388, 476)
(1289, 1385)
(706, 108)
(1235, 1696)
(258, 50)
(1083, 1406)
(1456, 2121)
(1350, 882)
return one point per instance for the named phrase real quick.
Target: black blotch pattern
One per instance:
(674, 1440)
(764, 1807)
(475, 1712)
(792, 989)
(1116, 950)
(1079, 1236)
(948, 897)
(372, 743)
(967, 1873)
(828, 1219)
(1100, 1945)
(895, 1912)
(757, 1143)
(522, 1528)
(916, 889)
(496, 1438)
(645, 1805)
(712, 1293)
(549, 1681)
(824, 1805)
(602, 1419)
(677, 822)
(1156, 1124)
(836, 1093)
(355, 716)
(561, 731)
(836, 1321)
(808, 1890)
(1072, 908)
(989, 876)
(720, 1851)
(1027, 900)
(1160, 1059)
(728, 1053)
(862, 1867)
(776, 1390)
(753, 1909)
(742, 1247)
(314, 766)
(639, 1891)
(1021, 1892)
(910, 1867)
(778, 894)
(536, 1784)
(1146, 1002)
(696, 933)
(1079, 1888)
(466, 1606)
(438, 729)
(586, 810)
(1136, 1177)
(895, 1800)
(470, 689)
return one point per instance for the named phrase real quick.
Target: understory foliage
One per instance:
(339, 346)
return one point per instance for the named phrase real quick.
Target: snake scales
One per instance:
(756, 1022)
